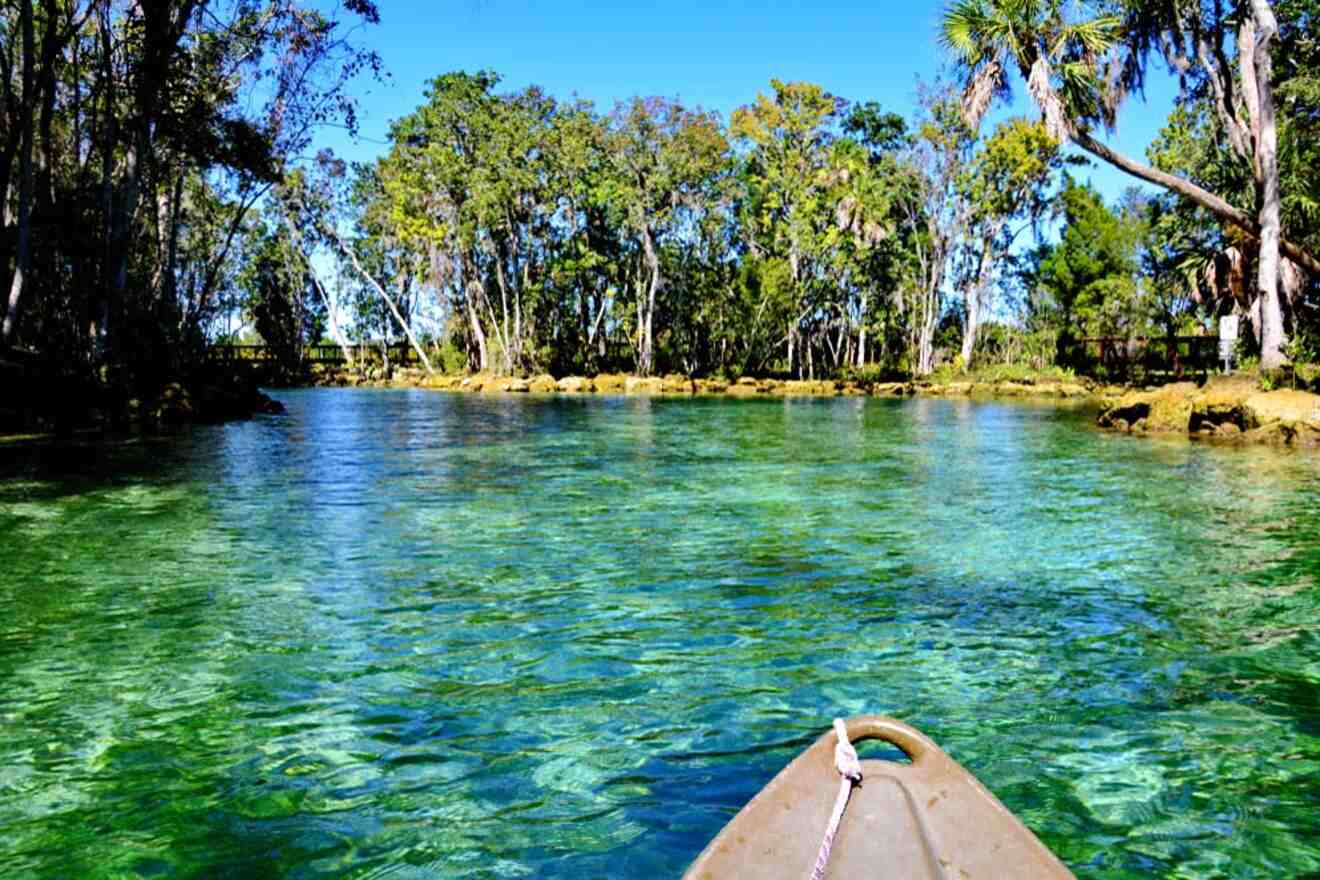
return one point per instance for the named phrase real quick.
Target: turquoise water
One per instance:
(408, 635)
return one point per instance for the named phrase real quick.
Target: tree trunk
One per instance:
(23, 255)
(647, 359)
(1272, 339)
(973, 297)
(163, 212)
(330, 307)
(389, 301)
(929, 320)
(1208, 200)
(336, 332)
(474, 321)
(861, 334)
(507, 341)
(99, 309)
(52, 44)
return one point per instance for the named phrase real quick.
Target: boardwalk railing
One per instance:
(315, 354)
(1176, 355)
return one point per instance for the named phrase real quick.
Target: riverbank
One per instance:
(746, 387)
(1227, 409)
(48, 402)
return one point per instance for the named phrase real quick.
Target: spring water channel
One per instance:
(405, 634)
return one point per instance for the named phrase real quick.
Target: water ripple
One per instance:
(404, 635)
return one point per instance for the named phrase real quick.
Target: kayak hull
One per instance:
(927, 819)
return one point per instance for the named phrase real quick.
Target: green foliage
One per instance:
(547, 237)
(285, 312)
(139, 141)
(990, 374)
(1088, 279)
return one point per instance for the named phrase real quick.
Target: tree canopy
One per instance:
(161, 196)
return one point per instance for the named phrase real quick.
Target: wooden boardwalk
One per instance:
(1175, 355)
(330, 355)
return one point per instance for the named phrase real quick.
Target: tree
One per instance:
(787, 136)
(665, 161)
(1007, 179)
(136, 140)
(862, 170)
(1089, 275)
(1079, 69)
(281, 298)
(935, 216)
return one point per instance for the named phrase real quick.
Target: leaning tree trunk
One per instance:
(1208, 200)
(1060, 126)
(331, 309)
(389, 301)
(926, 359)
(474, 321)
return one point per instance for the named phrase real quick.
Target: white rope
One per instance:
(850, 774)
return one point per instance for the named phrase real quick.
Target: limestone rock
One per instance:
(268, 405)
(475, 383)
(174, 406)
(1156, 411)
(542, 384)
(1217, 407)
(1266, 407)
(676, 384)
(575, 385)
(807, 388)
(641, 385)
(442, 382)
(610, 383)
(1298, 434)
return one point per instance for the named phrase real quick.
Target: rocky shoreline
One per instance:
(1231, 409)
(1227, 409)
(674, 385)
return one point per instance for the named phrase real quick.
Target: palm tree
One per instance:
(1078, 70)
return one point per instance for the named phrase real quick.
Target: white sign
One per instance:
(1228, 334)
(1228, 327)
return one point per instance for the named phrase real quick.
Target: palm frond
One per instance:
(1096, 36)
(962, 30)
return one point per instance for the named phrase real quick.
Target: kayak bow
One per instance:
(927, 819)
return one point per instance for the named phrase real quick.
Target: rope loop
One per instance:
(850, 774)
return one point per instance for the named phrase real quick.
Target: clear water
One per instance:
(407, 635)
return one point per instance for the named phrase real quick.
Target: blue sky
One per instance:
(713, 53)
